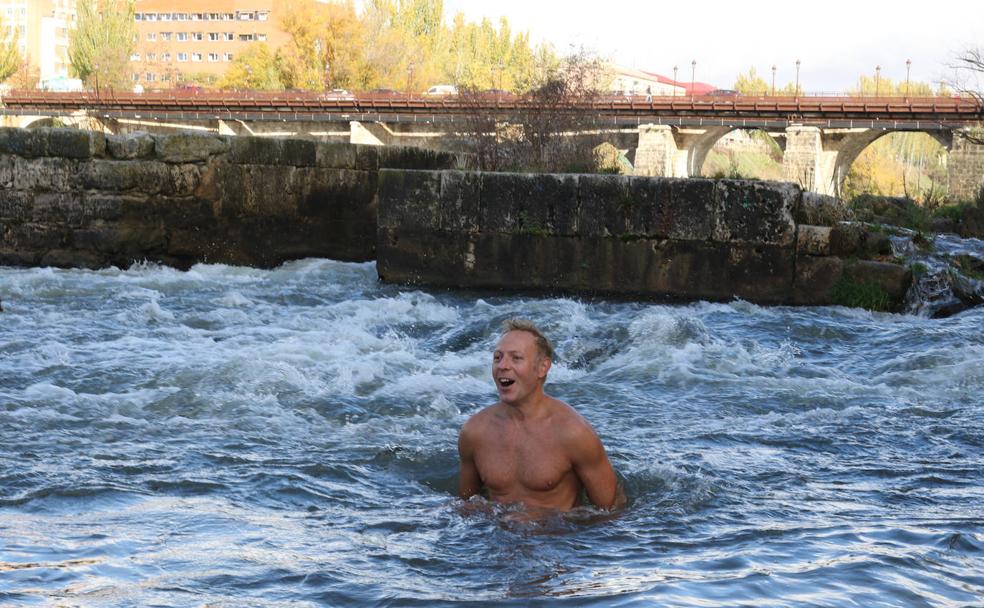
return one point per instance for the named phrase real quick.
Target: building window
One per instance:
(150, 77)
(197, 17)
(165, 16)
(151, 56)
(243, 16)
(182, 36)
(229, 36)
(196, 36)
(180, 16)
(227, 57)
(245, 37)
(196, 56)
(213, 36)
(151, 36)
(134, 56)
(213, 16)
(150, 16)
(228, 17)
(165, 77)
(165, 56)
(261, 37)
(165, 35)
(182, 56)
(263, 15)
(213, 56)
(136, 17)
(136, 78)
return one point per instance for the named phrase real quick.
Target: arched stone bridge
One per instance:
(666, 136)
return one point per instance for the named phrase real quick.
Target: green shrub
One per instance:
(861, 294)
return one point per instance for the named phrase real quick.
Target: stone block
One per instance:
(38, 236)
(756, 212)
(45, 174)
(847, 239)
(416, 159)
(183, 180)
(519, 203)
(815, 278)
(146, 177)
(7, 164)
(58, 207)
(813, 240)
(338, 156)
(28, 143)
(894, 279)
(821, 210)
(250, 150)
(75, 143)
(606, 207)
(189, 148)
(409, 199)
(339, 195)
(682, 209)
(461, 201)
(270, 190)
(71, 258)
(137, 145)
(15, 205)
(177, 213)
(101, 206)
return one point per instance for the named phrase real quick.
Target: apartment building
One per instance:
(179, 38)
(42, 27)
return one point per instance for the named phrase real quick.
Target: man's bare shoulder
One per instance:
(482, 419)
(571, 427)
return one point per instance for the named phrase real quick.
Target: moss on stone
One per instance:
(861, 294)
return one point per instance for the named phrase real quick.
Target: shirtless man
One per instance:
(529, 447)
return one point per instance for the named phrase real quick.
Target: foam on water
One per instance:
(287, 436)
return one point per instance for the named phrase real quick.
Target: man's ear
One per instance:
(544, 367)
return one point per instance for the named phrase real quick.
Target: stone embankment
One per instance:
(79, 198)
(631, 236)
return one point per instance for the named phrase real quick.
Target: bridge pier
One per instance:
(965, 168)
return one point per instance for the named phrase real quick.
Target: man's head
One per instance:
(521, 361)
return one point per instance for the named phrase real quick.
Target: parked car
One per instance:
(441, 90)
(337, 94)
(724, 93)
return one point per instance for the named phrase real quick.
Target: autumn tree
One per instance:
(971, 63)
(324, 47)
(254, 68)
(99, 47)
(751, 83)
(10, 58)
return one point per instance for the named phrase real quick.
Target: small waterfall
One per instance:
(948, 272)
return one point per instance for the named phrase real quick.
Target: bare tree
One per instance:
(971, 63)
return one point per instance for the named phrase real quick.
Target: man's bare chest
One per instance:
(536, 463)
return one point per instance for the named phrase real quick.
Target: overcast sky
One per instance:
(835, 40)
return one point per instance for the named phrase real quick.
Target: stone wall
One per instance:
(965, 166)
(615, 235)
(81, 198)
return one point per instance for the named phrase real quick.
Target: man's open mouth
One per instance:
(504, 382)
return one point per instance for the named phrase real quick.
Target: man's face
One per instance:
(517, 367)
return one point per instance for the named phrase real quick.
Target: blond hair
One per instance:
(543, 344)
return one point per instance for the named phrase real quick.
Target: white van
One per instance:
(441, 90)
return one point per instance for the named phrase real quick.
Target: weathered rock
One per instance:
(184, 148)
(60, 207)
(813, 240)
(340, 156)
(45, 174)
(461, 200)
(420, 192)
(815, 280)
(682, 209)
(118, 176)
(822, 210)
(15, 206)
(132, 146)
(269, 151)
(28, 143)
(756, 212)
(847, 239)
(75, 143)
(526, 203)
(99, 206)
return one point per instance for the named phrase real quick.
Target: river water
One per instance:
(233, 436)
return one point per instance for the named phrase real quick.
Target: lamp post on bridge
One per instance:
(877, 79)
(908, 66)
(773, 80)
(674, 80)
(693, 76)
(797, 78)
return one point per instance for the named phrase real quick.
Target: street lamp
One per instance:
(797, 78)
(409, 78)
(773, 80)
(877, 79)
(674, 80)
(693, 75)
(908, 67)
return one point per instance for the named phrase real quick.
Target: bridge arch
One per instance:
(703, 149)
(846, 149)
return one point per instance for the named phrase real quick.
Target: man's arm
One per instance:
(469, 481)
(595, 471)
